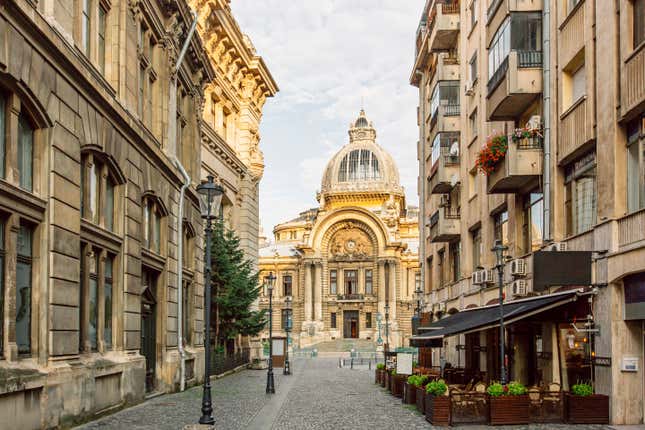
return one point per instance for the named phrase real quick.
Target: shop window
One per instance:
(368, 320)
(575, 348)
(23, 289)
(287, 283)
(638, 21)
(333, 282)
(369, 281)
(532, 228)
(635, 165)
(333, 320)
(580, 194)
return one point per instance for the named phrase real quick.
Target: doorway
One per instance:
(149, 327)
(350, 324)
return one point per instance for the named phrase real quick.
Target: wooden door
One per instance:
(149, 330)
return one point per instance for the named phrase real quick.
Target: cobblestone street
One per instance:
(318, 395)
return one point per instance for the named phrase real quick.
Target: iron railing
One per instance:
(452, 109)
(534, 142)
(529, 59)
(221, 362)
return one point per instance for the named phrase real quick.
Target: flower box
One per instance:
(509, 409)
(397, 385)
(378, 376)
(421, 399)
(437, 410)
(593, 409)
(409, 394)
(388, 380)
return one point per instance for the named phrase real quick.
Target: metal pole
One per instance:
(500, 273)
(287, 365)
(270, 385)
(207, 404)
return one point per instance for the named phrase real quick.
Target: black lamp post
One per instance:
(269, 281)
(499, 249)
(418, 292)
(287, 329)
(210, 199)
(387, 331)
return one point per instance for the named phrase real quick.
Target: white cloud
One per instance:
(326, 56)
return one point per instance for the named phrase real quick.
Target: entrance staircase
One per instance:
(343, 347)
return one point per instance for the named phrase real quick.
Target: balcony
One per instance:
(521, 168)
(500, 9)
(443, 25)
(445, 225)
(444, 174)
(350, 298)
(576, 132)
(516, 84)
(445, 67)
(633, 82)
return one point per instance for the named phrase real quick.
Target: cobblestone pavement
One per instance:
(318, 395)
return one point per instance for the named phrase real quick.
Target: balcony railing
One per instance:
(528, 59)
(497, 77)
(631, 229)
(350, 297)
(492, 8)
(452, 109)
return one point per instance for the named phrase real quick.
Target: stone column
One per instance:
(318, 291)
(308, 290)
(381, 287)
(392, 288)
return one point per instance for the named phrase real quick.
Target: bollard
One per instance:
(351, 364)
(369, 365)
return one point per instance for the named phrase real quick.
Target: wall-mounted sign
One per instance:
(629, 364)
(602, 361)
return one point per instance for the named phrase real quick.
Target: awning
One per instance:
(477, 319)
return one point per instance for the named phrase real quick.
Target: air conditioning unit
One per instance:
(518, 267)
(477, 277)
(520, 288)
(487, 276)
(469, 89)
(556, 246)
(445, 200)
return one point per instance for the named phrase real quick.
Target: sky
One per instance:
(329, 58)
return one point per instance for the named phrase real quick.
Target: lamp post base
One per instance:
(287, 368)
(270, 383)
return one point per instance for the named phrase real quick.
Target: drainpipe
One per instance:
(422, 185)
(546, 108)
(172, 135)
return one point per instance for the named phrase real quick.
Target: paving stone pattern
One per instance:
(320, 396)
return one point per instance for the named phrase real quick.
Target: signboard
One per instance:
(278, 346)
(634, 296)
(404, 363)
(629, 364)
(561, 268)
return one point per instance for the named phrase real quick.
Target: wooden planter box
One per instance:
(388, 380)
(399, 383)
(421, 399)
(378, 376)
(438, 410)
(592, 409)
(409, 394)
(509, 409)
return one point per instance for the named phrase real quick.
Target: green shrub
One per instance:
(412, 380)
(495, 389)
(380, 366)
(515, 388)
(582, 389)
(393, 373)
(437, 387)
(423, 380)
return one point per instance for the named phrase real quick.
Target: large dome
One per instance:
(361, 165)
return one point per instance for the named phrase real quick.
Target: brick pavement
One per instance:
(318, 395)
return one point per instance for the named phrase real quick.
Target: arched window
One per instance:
(359, 165)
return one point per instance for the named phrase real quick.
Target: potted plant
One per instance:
(582, 406)
(410, 390)
(421, 381)
(396, 384)
(509, 404)
(492, 153)
(380, 370)
(437, 403)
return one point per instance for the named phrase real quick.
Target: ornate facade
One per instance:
(345, 260)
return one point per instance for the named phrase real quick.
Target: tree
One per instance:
(234, 288)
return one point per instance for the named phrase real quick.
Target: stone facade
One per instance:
(344, 261)
(89, 199)
(571, 79)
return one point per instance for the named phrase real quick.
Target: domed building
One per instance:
(347, 261)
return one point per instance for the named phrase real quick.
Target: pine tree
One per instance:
(234, 288)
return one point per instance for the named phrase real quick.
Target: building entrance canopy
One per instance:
(485, 317)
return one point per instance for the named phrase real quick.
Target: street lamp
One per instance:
(387, 332)
(210, 200)
(418, 292)
(287, 329)
(499, 249)
(269, 281)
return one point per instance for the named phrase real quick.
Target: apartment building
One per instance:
(531, 128)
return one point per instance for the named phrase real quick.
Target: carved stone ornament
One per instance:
(351, 243)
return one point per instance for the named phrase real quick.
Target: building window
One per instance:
(445, 93)
(287, 283)
(181, 120)
(2, 255)
(635, 165)
(580, 194)
(3, 122)
(293, 235)
(187, 247)
(284, 320)
(520, 32)
(455, 256)
(571, 4)
(501, 227)
(142, 89)
(532, 227)
(97, 192)
(359, 165)
(25, 152)
(23, 289)
(333, 282)
(473, 13)
(107, 301)
(638, 24)
(187, 312)
(93, 300)
(101, 33)
(574, 82)
(368, 320)
(477, 247)
(333, 320)
(152, 225)
(350, 281)
(369, 281)
(472, 70)
(441, 264)
(499, 49)
(86, 27)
